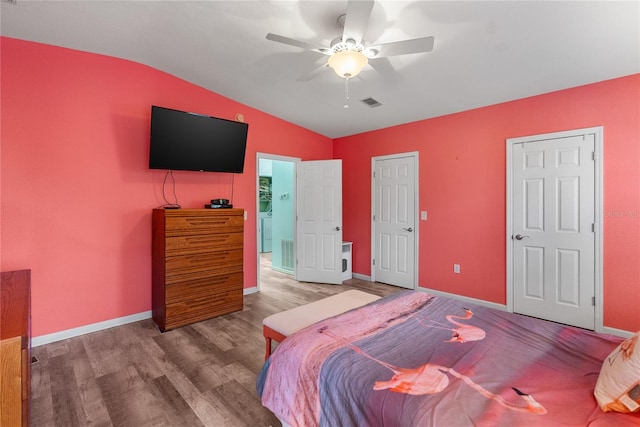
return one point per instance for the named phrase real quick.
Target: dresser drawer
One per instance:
(203, 307)
(194, 289)
(200, 243)
(189, 267)
(181, 223)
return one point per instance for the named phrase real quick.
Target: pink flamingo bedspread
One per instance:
(412, 359)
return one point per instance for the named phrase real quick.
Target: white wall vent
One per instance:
(287, 254)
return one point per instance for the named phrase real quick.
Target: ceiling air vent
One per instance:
(10, 1)
(371, 102)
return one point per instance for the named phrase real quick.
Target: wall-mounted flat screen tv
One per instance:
(195, 142)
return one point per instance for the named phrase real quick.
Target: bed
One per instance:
(413, 359)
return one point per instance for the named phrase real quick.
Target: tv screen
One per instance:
(194, 142)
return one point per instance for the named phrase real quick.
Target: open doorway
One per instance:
(276, 215)
(303, 199)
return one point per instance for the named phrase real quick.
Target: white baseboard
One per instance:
(95, 327)
(361, 277)
(282, 270)
(616, 332)
(503, 307)
(482, 302)
(87, 329)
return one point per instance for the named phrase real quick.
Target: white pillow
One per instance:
(618, 385)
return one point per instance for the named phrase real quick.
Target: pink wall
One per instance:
(76, 192)
(463, 185)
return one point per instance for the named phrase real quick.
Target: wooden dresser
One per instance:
(196, 264)
(15, 347)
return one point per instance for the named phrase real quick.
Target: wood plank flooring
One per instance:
(198, 375)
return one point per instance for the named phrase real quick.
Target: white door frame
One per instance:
(267, 156)
(415, 155)
(598, 267)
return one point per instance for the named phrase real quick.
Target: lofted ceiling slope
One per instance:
(485, 52)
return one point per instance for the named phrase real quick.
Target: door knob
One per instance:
(408, 229)
(338, 228)
(520, 236)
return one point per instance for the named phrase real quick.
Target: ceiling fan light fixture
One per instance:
(348, 63)
(371, 53)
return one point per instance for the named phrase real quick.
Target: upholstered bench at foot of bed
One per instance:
(280, 325)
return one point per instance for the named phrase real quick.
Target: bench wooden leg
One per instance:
(268, 348)
(270, 334)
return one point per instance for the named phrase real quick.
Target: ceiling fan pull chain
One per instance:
(346, 92)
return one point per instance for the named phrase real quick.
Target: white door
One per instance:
(319, 221)
(394, 235)
(553, 229)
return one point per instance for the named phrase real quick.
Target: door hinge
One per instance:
(593, 227)
(374, 217)
(373, 261)
(593, 155)
(593, 301)
(374, 174)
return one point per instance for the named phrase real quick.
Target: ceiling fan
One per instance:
(349, 53)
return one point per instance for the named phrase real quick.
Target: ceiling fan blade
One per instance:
(405, 47)
(313, 73)
(382, 66)
(355, 23)
(296, 43)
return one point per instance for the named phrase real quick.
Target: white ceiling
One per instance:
(485, 52)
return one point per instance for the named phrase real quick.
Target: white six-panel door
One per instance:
(319, 221)
(553, 229)
(394, 221)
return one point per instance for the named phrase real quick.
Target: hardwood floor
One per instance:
(198, 375)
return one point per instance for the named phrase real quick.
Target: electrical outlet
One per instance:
(456, 268)
(423, 215)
